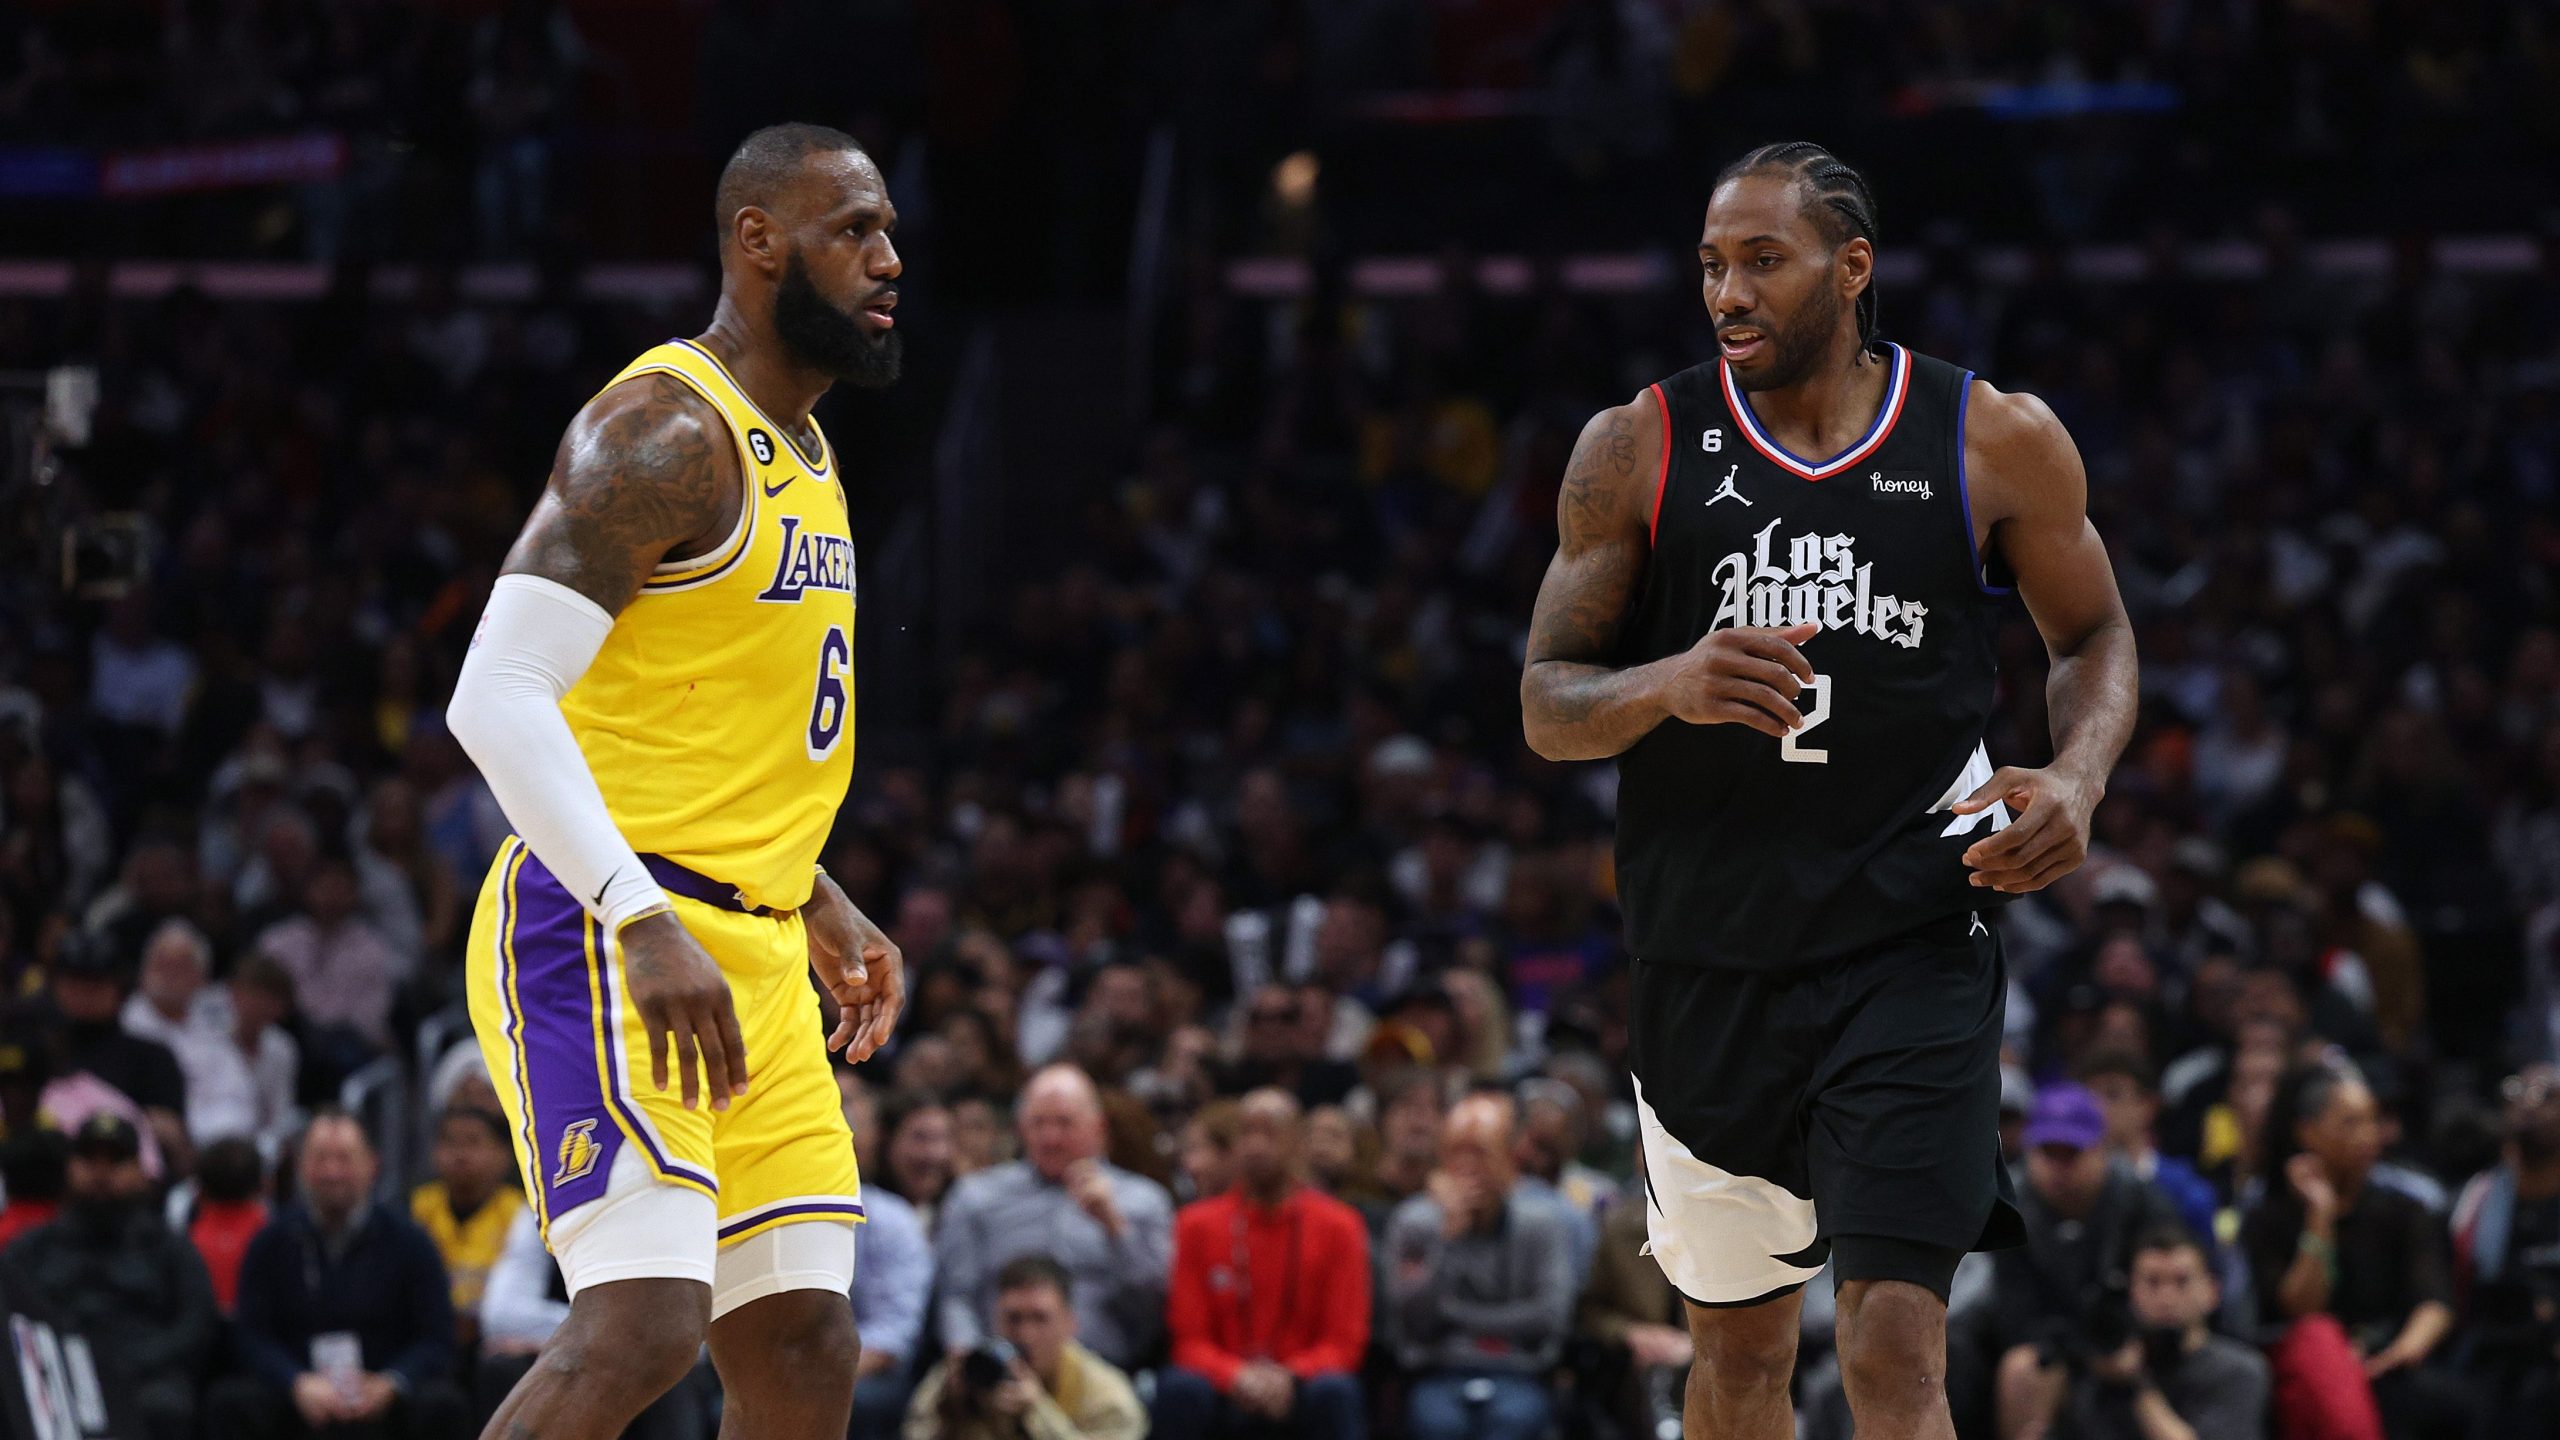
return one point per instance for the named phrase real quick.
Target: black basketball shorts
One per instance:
(1856, 1096)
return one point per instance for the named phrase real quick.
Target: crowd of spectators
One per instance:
(1266, 1054)
(507, 128)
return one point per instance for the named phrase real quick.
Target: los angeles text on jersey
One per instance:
(1821, 583)
(809, 562)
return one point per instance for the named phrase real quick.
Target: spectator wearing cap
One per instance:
(345, 1319)
(469, 1205)
(1111, 1229)
(2128, 1091)
(2355, 1278)
(1269, 1311)
(176, 1006)
(114, 1272)
(2083, 1212)
(87, 993)
(1480, 1287)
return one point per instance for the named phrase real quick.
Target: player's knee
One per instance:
(811, 1333)
(1891, 1333)
(1739, 1355)
(634, 1337)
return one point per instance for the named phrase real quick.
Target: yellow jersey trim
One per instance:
(826, 452)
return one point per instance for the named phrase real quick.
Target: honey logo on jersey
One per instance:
(578, 1152)
(809, 562)
(1819, 582)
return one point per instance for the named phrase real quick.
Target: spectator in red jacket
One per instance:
(1270, 1303)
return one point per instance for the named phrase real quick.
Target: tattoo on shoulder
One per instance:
(636, 477)
(1593, 492)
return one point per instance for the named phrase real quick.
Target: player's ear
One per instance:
(758, 238)
(1857, 262)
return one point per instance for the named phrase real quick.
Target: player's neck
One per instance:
(762, 367)
(1826, 411)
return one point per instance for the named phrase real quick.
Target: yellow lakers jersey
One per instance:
(718, 717)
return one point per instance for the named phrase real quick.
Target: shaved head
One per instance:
(805, 251)
(766, 163)
(1060, 1117)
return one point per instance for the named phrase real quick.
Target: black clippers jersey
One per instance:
(1737, 849)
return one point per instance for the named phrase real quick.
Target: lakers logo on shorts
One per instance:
(578, 1152)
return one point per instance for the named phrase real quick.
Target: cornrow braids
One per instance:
(1836, 196)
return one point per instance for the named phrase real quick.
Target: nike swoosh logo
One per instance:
(772, 490)
(607, 885)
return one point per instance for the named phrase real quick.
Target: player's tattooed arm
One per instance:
(1575, 703)
(645, 472)
(2034, 492)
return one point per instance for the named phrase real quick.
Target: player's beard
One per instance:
(827, 339)
(1797, 349)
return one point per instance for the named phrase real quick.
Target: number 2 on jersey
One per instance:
(1788, 746)
(827, 710)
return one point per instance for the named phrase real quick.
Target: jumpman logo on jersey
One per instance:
(1726, 491)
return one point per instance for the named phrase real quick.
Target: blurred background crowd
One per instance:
(1266, 1056)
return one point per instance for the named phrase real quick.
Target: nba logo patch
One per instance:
(578, 1151)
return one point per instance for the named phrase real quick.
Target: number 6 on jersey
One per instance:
(826, 711)
(1788, 746)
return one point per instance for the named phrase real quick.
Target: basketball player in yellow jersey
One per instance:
(661, 696)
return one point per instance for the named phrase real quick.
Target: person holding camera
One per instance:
(1111, 1229)
(2172, 1378)
(1030, 1380)
(2506, 1242)
(2059, 1305)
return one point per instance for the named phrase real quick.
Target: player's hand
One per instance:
(1744, 676)
(684, 1000)
(860, 966)
(2046, 839)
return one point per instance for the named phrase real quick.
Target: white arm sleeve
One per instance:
(536, 638)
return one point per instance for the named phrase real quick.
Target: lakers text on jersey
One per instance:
(718, 722)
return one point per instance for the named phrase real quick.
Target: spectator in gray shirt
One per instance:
(2175, 1380)
(1480, 1286)
(1112, 1230)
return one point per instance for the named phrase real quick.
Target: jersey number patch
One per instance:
(1788, 746)
(827, 709)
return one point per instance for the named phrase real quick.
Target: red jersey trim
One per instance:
(1897, 389)
(1662, 481)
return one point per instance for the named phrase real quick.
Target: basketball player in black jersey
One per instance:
(1775, 595)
